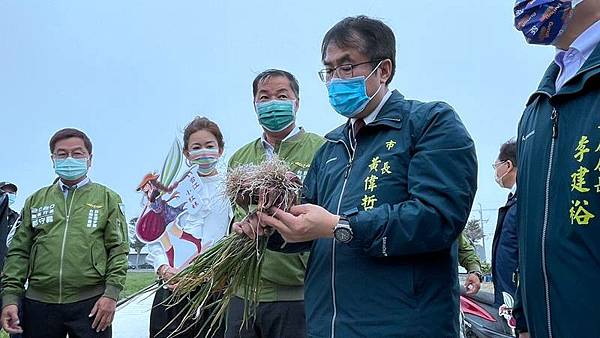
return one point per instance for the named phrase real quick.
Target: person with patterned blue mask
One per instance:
(386, 199)
(70, 246)
(558, 149)
(276, 100)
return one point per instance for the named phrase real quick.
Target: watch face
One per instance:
(343, 235)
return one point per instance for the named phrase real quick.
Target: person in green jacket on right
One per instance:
(468, 259)
(280, 311)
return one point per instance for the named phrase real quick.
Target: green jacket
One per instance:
(68, 248)
(467, 257)
(282, 274)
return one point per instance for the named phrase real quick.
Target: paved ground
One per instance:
(132, 320)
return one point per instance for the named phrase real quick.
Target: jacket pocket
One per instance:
(98, 253)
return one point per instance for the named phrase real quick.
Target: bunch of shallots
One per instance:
(234, 263)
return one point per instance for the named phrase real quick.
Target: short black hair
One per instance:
(508, 152)
(371, 37)
(68, 133)
(275, 72)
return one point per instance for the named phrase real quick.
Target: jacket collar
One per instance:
(548, 84)
(297, 137)
(389, 115)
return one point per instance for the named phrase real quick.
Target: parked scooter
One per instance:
(481, 319)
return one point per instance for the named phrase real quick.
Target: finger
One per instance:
(469, 287)
(14, 319)
(109, 321)
(5, 320)
(97, 319)
(298, 210)
(273, 222)
(260, 230)
(247, 228)
(14, 330)
(237, 228)
(104, 322)
(94, 310)
(282, 217)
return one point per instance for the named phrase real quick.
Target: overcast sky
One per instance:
(131, 74)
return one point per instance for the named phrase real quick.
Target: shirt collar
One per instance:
(584, 45)
(513, 190)
(269, 147)
(63, 187)
(371, 117)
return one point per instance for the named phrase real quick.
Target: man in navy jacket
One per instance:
(386, 199)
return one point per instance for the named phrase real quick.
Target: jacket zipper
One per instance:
(346, 174)
(554, 118)
(62, 251)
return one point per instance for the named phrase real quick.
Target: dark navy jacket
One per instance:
(559, 205)
(505, 251)
(407, 189)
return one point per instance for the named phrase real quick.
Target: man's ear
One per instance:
(385, 70)
(510, 164)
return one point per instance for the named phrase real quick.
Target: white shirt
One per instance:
(269, 149)
(208, 226)
(571, 60)
(65, 188)
(371, 117)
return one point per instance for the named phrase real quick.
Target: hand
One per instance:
(10, 319)
(173, 196)
(166, 272)
(249, 226)
(303, 223)
(104, 310)
(524, 335)
(472, 284)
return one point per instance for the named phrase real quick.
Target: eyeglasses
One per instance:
(497, 164)
(343, 71)
(77, 154)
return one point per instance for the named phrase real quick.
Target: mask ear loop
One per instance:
(506, 173)
(366, 78)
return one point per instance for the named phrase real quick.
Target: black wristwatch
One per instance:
(478, 274)
(342, 231)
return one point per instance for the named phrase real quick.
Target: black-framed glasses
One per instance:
(344, 71)
(77, 154)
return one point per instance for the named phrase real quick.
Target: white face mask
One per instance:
(499, 179)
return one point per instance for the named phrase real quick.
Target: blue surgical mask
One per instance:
(11, 198)
(276, 115)
(543, 21)
(349, 96)
(71, 168)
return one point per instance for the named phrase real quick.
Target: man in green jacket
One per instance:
(468, 259)
(281, 308)
(71, 247)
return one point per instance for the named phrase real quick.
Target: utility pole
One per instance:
(482, 229)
